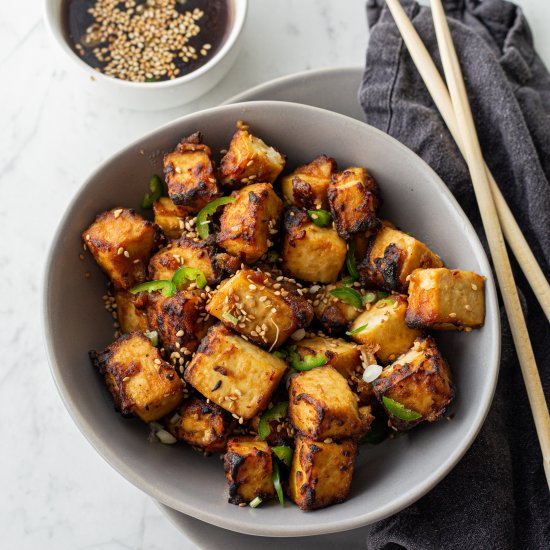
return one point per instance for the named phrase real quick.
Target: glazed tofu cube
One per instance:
(131, 312)
(249, 160)
(307, 186)
(190, 174)
(185, 253)
(233, 373)
(385, 329)
(321, 472)
(334, 315)
(170, 217)
(247, 226)
(311, 253)
(446, 299)
(344, 356)
(141, 383)
(254, 304)
(248, 466)
(122, 242)
(203, 425)
(393, 256)
(420, 380)
(321, 405)
(353, 198)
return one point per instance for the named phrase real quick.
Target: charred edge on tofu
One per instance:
(385, 270)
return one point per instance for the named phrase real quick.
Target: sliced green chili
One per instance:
(357, 330)
(281, 354)
(322, 218)
(208, 210)
(168, 287)
(369, 297)
(184, 274)
(231, 318)
(284, 454)
(399, 410)
(350, 262)
(155, 188)
(153, 335)
(381, 294)
(276, 477)
(277, 412)
(349, 296)
(378, 432)
(309, 362)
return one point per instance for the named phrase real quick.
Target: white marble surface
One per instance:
(56, 492)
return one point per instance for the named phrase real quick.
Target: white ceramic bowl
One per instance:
(151, 95)
(387, 477)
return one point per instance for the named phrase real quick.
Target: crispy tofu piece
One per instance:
(321, 405)
(311, 253)
(334, 315)
(122, 242)
(141, 383)
(446, 299)
(392, 256)
(247, 225)
(353, 197)
(131, 312)
(233, 373)
(203, 425)
(249, 160)
(170, 217)
(420, 380)
(267, 313)
(185, 253)
(321, 472)
(248, 466)
(190, 173)
(385, 328)
(307, 186)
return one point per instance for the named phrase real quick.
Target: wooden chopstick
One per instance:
(438, 90)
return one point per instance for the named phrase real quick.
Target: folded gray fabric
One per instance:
(497, 496)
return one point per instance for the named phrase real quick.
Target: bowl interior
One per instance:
(388, 477)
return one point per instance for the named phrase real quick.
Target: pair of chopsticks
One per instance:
(496, 216)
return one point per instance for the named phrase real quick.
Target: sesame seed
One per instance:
(474, 286)
(126, 254)
(120, 251)
(453, 315)
(117, 213)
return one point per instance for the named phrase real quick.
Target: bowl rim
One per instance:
(397, 504)
(54, 26)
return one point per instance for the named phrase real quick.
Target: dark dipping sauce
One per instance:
(135, 61)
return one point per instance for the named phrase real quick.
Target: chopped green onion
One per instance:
(357, 330)
(378, 432)
(369, 297)
(276, 413)
(276, 477)
(322, 218)
(284, 454)
(231, 318)
(184, 274)
(254, 503)
(281, 354)
(399, 410)
(168, 287)
(153, 335)
(308, 362)
(349, 296)
(156, 188)
(388, 301)
(350, 262)
(208, 210)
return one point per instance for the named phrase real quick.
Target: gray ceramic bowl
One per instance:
(387, 477)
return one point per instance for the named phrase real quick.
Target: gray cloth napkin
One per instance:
(497, 496)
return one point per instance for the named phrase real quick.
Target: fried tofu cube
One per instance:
(321, 472)
(353, 197)
(446, 299)
(249, 160)
(141, 383)
(322, 405)
(170, 217)
(233, 373)
(385, 329)
(202, 424)
(131, 312)
(420, 380)
(392, 256)
(311, 253)
(307, 186)
(190, 174)
(248, 466)
(122, 242)
(254, 304)
(247, 225)
(334, 315)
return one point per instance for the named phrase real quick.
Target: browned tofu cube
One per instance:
(131, 312)
(321, 472)
(446, 299)
(249, 160)
(392, 256)
(122, 242)
(170, 217)
(311, 253)
(384, 328)
(141, 383)
(322, 405)
(247, 225)
(307, 186)
(353, 198)
(233, 373)
(248, 467)
(334, 315)
(203, 425)
(254, 304)
(420, 380)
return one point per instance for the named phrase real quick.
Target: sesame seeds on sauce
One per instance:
(146, 40)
